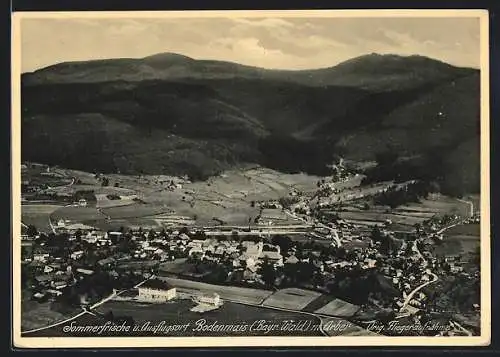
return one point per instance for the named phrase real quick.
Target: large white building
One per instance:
(156, 291)
(208, 299)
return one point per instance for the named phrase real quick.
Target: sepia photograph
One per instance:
(250, 178)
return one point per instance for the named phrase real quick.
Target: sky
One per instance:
(269, 42)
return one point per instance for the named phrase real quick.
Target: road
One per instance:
(417, 289)
(333, 231)
(435, 277)
(461, 328)
(73, 179)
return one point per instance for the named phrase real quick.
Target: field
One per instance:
(439, 204)
(177, 312)
(405, 217)
(231, 293)
(292, 298)
(458, 240)
(225, 199)
(35, 315)
(131, 223)
(38, 215)
(476, 201)
(473, 230)
(38, 176)
(338, 308)
(177, 266)
(104, 202)
(357, 243)
(77, 214)
(381, 217)
(135, 210)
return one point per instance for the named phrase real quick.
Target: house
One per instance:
(93, 237)
(250, 273)
(208, 299)
(77, 254)
(108, 262)
(41, 257)
(219, 250)
(369, 263)
(39, 295)
(54, 292)
(43, 280)
(252, 249)
(184, 237)
(156, 291)
(247, 260)
(274, 257)
(103, 242)
(84, 271)
(113, 235)
(59, 284)
(292, 259)
(196, 252)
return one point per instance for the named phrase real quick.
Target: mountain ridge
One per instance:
(170, 66)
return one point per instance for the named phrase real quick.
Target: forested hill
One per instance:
(173, 114)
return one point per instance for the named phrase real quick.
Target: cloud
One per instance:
(270, 23)
(288, 43)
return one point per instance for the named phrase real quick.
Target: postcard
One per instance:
(251, 178)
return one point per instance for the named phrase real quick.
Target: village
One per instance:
(79, 259)
(373, 268)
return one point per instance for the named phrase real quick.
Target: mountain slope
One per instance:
(170, 113)
(373, 72)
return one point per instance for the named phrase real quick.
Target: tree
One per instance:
(418, 227)
(268, 273)
(305, 272)
(387, 157)
(376, 234)
(78, 235)
(234, 235)
(284, 242)
(105, 181)
(252, 204)
(31, 231)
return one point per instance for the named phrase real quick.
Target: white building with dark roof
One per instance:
(156, 291)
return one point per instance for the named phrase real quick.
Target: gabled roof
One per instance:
(156, 284)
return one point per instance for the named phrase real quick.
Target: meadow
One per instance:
(291, 298)
(76, 214)
(231, 293)
(338, 308)
(458, 240)
(38, 215)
